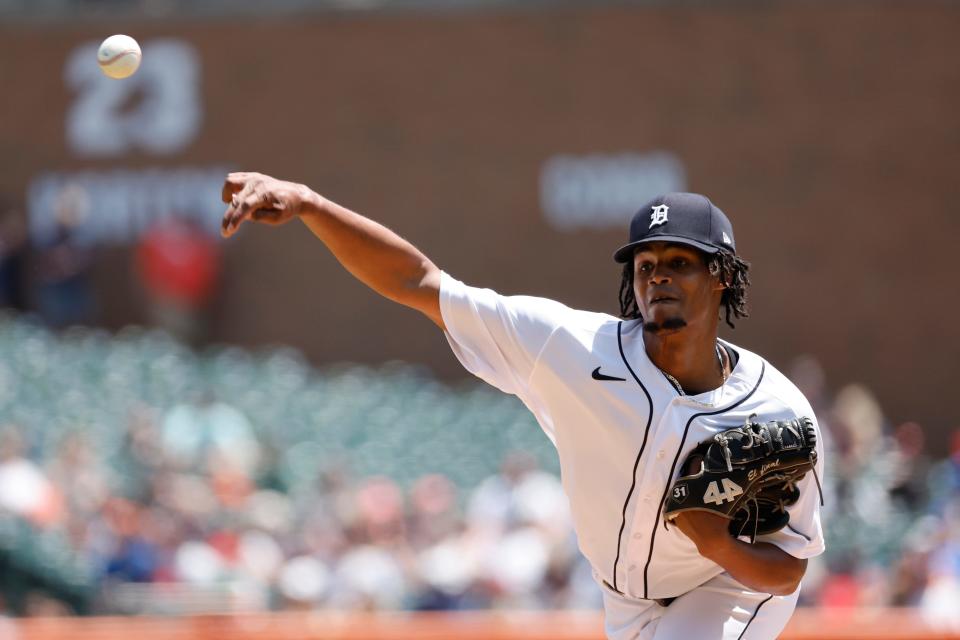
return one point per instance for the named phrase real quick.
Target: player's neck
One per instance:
(690, 359)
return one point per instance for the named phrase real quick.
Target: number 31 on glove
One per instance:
(748, 475)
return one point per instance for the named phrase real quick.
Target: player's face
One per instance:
(674, 287)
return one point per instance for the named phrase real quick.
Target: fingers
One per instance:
(233, 186)
(235, 183)
(251, 196)
(243, 204)
(272, 216)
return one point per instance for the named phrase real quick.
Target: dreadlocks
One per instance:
(730, 268)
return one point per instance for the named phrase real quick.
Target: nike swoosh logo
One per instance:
(596, 375)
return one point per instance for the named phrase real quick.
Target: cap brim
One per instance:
(624, 253)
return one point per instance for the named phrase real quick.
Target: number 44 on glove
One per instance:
(748, 475)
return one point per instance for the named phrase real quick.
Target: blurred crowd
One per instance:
(892, 512)
(180, 502)
(205, 512)
(176, 268)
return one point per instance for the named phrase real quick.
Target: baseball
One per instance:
(119, 56)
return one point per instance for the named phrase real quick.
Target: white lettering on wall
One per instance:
(603, 191)
(116, 206)
(157, 110)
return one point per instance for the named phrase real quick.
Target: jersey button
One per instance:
(661, 453)
(637, 536)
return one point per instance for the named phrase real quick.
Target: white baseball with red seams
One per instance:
(119, 56)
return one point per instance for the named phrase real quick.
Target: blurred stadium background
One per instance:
(202, 439)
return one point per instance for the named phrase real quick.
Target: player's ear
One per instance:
(714, 267)
(720, 284)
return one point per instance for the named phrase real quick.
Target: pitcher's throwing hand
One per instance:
(258, 197)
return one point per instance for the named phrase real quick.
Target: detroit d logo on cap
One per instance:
(659, 215)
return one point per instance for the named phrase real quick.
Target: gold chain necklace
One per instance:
(723, 375)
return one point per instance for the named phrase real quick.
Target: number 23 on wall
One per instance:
(156, 111)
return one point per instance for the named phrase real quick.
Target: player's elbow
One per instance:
(771, 571)
(425, 294)
(785, 588)
(419, 289)
(788, 578)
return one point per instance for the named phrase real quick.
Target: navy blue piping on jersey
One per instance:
(740, 637)
(802, 535)
(636, 463)
(676, 458)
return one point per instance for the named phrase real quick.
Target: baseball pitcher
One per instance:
(691, 464)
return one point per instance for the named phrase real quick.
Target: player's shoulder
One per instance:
(595, 321)
(541, 310)
(569, 319)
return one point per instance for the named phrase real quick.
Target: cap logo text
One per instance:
(659, 215)
(726, 238)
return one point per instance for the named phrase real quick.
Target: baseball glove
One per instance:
(748, 474)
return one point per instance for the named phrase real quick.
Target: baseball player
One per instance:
(624, 401)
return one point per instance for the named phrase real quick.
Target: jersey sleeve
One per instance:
(497, 338)
(803, 535)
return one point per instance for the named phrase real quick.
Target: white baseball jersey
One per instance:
(621, 429)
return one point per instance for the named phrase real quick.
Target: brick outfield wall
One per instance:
(807, 624)
(829, 135)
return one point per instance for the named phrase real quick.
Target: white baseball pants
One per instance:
(719, 609)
